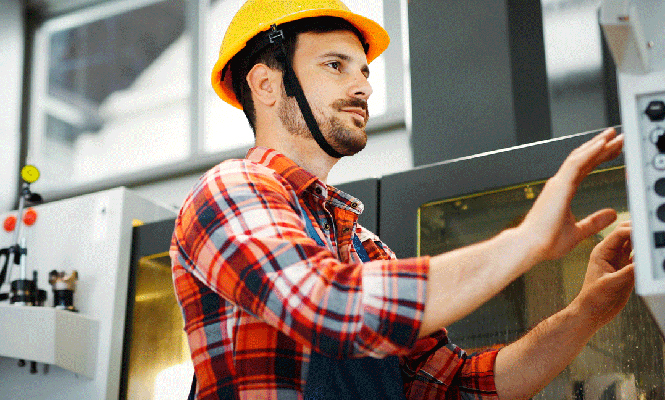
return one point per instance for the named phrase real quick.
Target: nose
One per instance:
(360, 87)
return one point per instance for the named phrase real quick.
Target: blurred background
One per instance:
(100, 94)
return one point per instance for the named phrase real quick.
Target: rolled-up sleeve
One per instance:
(437, 369)
(241, 233)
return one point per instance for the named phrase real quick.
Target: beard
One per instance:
(346, 140)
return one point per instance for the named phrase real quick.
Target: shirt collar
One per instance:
(299, 178)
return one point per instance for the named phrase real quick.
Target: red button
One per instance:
(30, 217)
(10, 223)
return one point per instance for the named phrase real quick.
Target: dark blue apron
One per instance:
(354, 378)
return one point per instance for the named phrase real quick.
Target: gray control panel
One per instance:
(635, 33)
(652, 134)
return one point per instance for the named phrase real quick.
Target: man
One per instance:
(284, 296)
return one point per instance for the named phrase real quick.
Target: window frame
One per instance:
(198, 159)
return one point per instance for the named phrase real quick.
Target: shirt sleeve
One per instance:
(437, 369)
(241, 233)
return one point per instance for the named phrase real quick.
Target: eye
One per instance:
(335, 65)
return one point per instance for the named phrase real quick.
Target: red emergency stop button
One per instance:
(10, 223)
(30, 217)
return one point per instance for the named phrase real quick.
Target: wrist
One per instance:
(581, 317)
(533, 246)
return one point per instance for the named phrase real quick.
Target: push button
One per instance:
(660, 142)
(660, 212)
(657, 136)
(659, 187)
(656, 110)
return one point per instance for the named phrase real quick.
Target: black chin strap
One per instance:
(293, 89)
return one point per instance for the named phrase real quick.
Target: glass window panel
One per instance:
(113, 92)
(227, 127)
(624, 360)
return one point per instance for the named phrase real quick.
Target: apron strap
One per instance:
(355, 378)
(358, 378)
(357, 244)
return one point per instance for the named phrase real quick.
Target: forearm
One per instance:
(528, 365)
(462, 280)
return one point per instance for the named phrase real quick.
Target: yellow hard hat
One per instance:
(257, 16)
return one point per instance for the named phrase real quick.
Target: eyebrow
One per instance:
(344, 57)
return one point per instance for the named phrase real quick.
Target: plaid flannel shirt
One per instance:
(258, 294)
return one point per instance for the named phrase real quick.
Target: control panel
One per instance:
(635, 34)
(652, 137)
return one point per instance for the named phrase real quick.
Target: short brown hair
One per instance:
(243, 62)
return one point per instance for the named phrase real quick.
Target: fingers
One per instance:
(605, 136)
(624, 276)
(616, 248)
(600, 152)
(619, 238)
(596, 222)
(581, 161)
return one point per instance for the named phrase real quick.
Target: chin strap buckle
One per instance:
(276, 35)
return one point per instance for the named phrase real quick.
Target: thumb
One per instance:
(596, 222)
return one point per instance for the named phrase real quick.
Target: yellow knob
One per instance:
(30, 173)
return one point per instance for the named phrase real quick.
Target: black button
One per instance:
(656, 110)
(659, 187)
(659, 238)
(318, 190)
(660, 144)
(354, 204)
(661, 212)
(326, 226)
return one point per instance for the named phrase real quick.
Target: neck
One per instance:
(303, 151)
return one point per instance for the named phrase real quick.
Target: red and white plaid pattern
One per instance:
(258, 294)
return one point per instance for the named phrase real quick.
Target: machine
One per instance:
(73, 342)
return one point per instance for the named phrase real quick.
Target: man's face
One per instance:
(332, 69)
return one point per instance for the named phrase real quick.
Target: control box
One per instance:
(635, 33)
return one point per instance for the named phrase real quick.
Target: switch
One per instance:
(656, 110)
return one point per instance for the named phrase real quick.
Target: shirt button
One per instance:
(318, 190)
(326, 226)
(354, 205)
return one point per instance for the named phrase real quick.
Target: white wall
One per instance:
(11, 68)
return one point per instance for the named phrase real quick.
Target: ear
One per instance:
(264, 83)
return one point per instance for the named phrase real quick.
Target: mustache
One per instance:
(356, 103)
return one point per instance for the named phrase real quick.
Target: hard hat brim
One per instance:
(375, 36)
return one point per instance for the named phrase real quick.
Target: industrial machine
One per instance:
(81, 248)
(635, 32)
